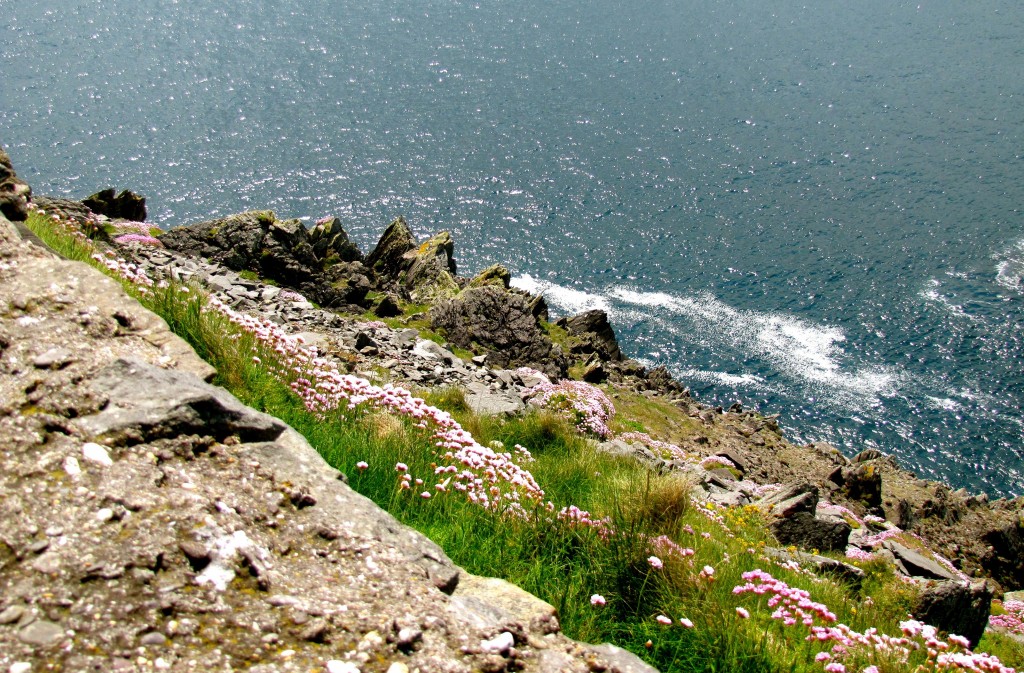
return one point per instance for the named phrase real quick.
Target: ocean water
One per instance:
(813, 209)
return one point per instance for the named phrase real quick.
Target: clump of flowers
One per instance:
(664, 449)
(139, 239)
(791, 604)
(584, 405)
(1013, 618)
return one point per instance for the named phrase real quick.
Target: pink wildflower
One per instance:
(743, 613)
(597, 600)
(822, 656)
(656, 562)
(362, 465)
(425, 495)
(662, 619)
(401, 467)
(686, 623)
(835, 667)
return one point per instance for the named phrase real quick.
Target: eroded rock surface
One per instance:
(149, 521)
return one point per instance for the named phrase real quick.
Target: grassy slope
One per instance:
(563, 564)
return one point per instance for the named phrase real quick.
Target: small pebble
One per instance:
(105, 514)
(72, 467)
(11, 614)
(95, 453)
(55, 358)
(20, 667)
(336, 666)
(41, 634)
(398, 667)
(503, 642)
(153, 638)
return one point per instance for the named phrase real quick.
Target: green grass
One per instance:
(561, 563)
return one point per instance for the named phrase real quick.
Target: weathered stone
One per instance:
(593, 334)
(126, 205)
(800, 496)
(806, 531)
(496, 274)
(500, 322)
(331, 243)
(1005, 558)
(41, 633)
(956, 607)
(14, 193)
(595, 373)
(862, 482)
(147, 403)
(388, 259)
(430, 274)
(918, 565)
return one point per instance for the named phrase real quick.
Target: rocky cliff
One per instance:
(150, 521)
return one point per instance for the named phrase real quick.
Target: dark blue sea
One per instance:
(812, 208)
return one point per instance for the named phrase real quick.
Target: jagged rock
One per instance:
(916, 564)
(866, 455)
(388, 259)
(593, 334)
(14, 193)
(792, 498)
(430, 274)
(126, 205)
(496, 274)
(1005, 558)
(539, 308)
(595, 373)
(956, 607)
(386, 306)
(806, 531)
(481, 399)
(279, 250)
(331, 243)
(862, 482)
(500, 322)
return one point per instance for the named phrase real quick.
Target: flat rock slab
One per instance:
(918, 565)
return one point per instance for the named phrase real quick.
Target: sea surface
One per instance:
(814, 209)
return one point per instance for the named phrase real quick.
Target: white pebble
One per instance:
(72, 467)
(498, 644)
(105, 514)
(398, 667)
(20, 667)
(336, 666)
(95, 453)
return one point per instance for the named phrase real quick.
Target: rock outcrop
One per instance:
(956, 607)
(283, 251)
(126, 205)
(500, 322)
(149, 520)
(14, 193)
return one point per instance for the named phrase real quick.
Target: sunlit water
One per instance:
(814, 210)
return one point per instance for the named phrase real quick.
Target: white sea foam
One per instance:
(1010, 266)
(565, 298)
(932, 295)
(797, 348)
(943, 403)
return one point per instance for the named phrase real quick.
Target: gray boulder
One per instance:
(806, 531)
(956, 607)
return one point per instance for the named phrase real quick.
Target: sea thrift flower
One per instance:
(401, 467)
(582, 404)
(597, 600)
(835, 667)
(662, 619)
(655, 562)
(822, 656)
(425, 495)
(362, 465)
(870, 669)
(743, 613)
(707, 571)
(686, 623)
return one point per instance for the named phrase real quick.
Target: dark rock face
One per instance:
(14, 193)
(1005, 561)
(863, 482)
(280, 250)
(388, 259)
(594, 334)
(807, 532)
(956, 607)
(125, 206)
(501, 323)
(331, 243)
